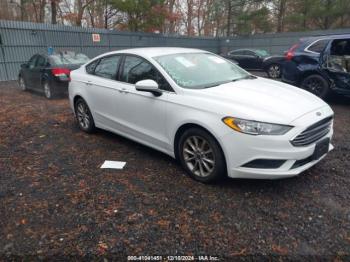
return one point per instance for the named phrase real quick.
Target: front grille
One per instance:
(313, 133)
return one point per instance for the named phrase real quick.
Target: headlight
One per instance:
(255, 128)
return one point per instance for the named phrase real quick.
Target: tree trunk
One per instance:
(280, 15)
(229, 14)
(189, 16)
(53, 12)
(80, 13)
(172, 21)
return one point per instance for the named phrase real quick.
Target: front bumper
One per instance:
(240, 149)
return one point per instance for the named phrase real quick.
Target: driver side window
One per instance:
(136, 69)
(32, 61)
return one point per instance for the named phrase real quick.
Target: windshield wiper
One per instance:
(233, 80)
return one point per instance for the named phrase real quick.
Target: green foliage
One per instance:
(142, 15)
(254, 21)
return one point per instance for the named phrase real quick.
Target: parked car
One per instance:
(205, 111)
(49, 74)
(320, 65)
(256, 59)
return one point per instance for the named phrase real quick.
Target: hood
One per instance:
(263, 100)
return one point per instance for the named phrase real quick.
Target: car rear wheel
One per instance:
(47, 90)
(84, 117)
(317, 85)
(274, 71)
(22, 84)
(201, 155)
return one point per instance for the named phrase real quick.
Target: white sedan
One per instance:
(203, 110)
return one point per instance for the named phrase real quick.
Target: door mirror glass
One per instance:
(148, 85)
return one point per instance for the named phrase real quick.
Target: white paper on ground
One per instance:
(113, 164)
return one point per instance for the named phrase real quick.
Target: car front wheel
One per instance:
(22, 84)
(317, 85)
(274, 71)
(84, 117)
(201, 155)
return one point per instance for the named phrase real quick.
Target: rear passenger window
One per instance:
(107, 67)
(90, 68)
(41, 61)
(318, 46)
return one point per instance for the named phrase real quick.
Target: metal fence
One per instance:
(20, 40)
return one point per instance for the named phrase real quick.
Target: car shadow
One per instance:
(336, 99)
(227, 183)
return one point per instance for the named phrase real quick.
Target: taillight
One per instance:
(291, 51)
(61, 72)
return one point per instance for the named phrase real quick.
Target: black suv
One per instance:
(320, 65)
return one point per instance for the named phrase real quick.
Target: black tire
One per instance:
(22, 83)
(84, 116)
(317, 85)
(48, 92)
(199, 168)
(274, 71)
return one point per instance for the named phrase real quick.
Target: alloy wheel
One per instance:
(198, 156)
(47, 90)
(315, 86)
(22, 84)
(274, 71)
(83, 115)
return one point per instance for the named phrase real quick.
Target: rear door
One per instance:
(335, 62)
(103, 91)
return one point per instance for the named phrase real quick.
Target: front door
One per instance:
(28, 72)
(37, 72)
(141, 114)
(251, 60)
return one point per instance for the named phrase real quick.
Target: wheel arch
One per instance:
(313, 72)
(185, 126)
(76, 97)
(44, 78)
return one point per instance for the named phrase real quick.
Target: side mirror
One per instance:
(148, 85)
(25, 65)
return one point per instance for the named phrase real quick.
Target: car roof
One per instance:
(247, 49)
(156, 51)
(321, 37)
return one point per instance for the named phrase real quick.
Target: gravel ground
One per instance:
(56, 203)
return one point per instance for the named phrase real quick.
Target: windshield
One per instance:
(262, 53)
(64, 58)
(200, 70)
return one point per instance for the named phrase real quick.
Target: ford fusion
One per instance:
(203, 110)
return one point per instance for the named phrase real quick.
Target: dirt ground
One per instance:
(56, 203)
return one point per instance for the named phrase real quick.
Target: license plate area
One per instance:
(321, 148)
